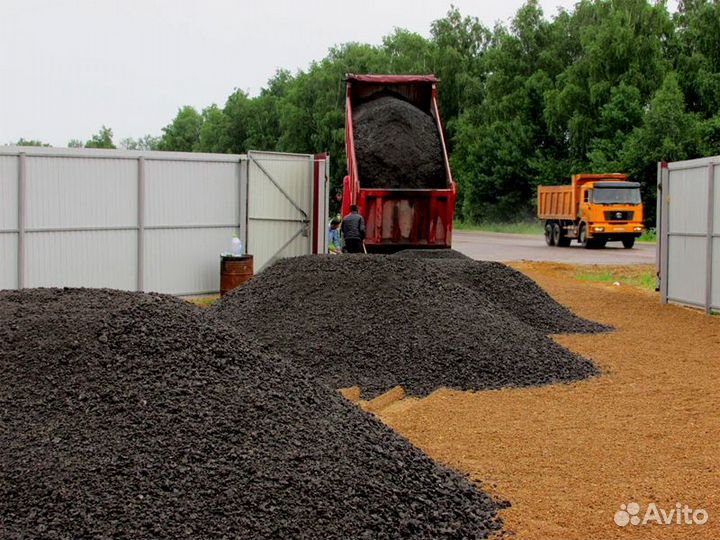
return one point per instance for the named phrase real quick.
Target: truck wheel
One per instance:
(582, 237)
(549, 240)
(556, 234)
(600, 243)
(628, 243)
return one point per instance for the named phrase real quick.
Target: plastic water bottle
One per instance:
(236, 247)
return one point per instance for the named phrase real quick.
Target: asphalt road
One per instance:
(525, 247)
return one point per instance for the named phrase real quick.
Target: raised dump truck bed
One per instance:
(400, 211)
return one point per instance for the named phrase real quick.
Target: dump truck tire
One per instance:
(628, 243)
(549, 238)
(583, 239)
(556, 234)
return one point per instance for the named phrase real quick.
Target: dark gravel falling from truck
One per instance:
(131, 415)
(381, 321)
(397, 146)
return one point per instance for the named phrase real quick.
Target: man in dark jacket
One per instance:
(353, 229)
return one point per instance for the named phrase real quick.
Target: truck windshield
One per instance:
(616, 195)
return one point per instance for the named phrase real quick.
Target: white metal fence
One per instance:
(689, 226)
(153, 221)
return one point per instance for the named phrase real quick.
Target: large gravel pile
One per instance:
(397, 146)
(509, 289)
(432, 254)
(382, 321)
(127, 415)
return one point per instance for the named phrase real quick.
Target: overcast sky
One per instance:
(69, 66)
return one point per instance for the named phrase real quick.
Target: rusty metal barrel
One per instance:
(235, 271)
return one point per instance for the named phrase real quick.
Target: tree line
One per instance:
(609, 86)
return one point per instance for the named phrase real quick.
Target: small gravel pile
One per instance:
(509, 289)
(381, 321)
(397, 146)
(131, 415)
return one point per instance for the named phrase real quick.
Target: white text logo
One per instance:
(630, 514)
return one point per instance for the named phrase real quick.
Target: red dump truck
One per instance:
(594, 209)
(401, 211)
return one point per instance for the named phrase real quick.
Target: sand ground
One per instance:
(568, 456)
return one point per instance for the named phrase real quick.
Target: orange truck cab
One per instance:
(594, 209)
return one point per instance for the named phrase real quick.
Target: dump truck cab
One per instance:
(611, 209)
(594, 209)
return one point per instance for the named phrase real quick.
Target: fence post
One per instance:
(244, 203)
(21, 218)
(710, 227)
(141, 225)
(664, 231)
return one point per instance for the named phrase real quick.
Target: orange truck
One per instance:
(594, 209)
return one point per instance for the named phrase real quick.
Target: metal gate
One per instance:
(280, 206)
(689, 225)
(152, 221)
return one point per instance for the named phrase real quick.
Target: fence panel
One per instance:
(689, 237)
(154, 221)
(82, 258)
(80, 222)
(183, 193)
(192, 209)
(80, 193)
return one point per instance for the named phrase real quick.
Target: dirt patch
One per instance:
(202, 301)
(397, 146)
(131, 415)
(568, 456)
(381, 321)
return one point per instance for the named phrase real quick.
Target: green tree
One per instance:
(621, 42)
(409, 53)
(458, 44)
(698, 55)
(710, 136)
(29, 142)
(102, 139)
(183, 133)
(148, 142)
(214, 131)
(668, 133)
(617, 121)
(237, 114)
(502, 142)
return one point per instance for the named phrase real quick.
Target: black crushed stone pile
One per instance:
(381, 321)
(397, 146)
(129, 415)
(431, 254)
(513, 291)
